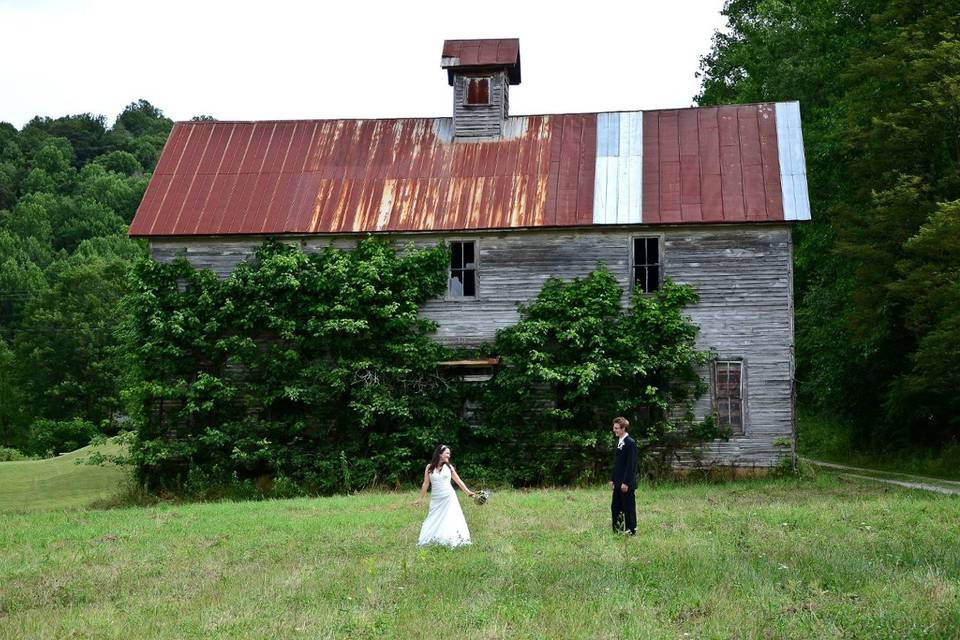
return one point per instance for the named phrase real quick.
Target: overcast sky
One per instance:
(280, 59)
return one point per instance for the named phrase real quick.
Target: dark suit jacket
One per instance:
(625, 464)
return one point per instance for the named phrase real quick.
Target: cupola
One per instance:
(481, 72)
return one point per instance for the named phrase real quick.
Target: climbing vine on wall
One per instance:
(312, 368)
(577, 359)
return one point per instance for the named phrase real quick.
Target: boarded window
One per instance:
(478, 91)
(647, 266)
(728, 394)
(463, 269)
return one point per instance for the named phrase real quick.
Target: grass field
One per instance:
(57, 483)
(755, 559)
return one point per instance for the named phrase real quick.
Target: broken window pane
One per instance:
(456, 284)
(463, 269)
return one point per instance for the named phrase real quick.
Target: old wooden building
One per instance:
(706, 196)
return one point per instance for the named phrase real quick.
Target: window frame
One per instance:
(716, 398)
(659, 237)
(466, 91)
(476, 270)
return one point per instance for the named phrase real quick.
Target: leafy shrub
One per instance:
(311, 368)
(576, 360)
(314, 373)
(52, 437)
(8, 454)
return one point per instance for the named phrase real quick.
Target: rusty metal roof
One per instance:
(480, 53)
(717, 164)
(464, 54)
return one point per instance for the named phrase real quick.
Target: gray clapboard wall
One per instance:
(480, 121)
(743, 274)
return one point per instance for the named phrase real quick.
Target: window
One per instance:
(646, 264)
(478, 91)
(463, 269)
(728, 394)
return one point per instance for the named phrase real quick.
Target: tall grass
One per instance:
(754, 559)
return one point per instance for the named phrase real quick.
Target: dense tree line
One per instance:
(69, 188)
(878, 268)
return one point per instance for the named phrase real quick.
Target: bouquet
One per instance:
(481, 497)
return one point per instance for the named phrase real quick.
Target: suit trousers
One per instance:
(624, 505)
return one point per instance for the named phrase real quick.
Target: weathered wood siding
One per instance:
(743, 274)
(480, 121)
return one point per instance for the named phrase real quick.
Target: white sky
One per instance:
(282, 59)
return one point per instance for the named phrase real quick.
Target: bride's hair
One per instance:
(435, 461)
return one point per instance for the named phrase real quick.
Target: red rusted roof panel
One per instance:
(766, 118)
(480, 53)
(651, 167)
(717, 164)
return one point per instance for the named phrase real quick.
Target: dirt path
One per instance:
(949, 487)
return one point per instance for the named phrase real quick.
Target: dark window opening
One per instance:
(478, 91)
(728, 392)
(463, 269)
(646, 264)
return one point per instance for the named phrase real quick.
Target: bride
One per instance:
(445, 523)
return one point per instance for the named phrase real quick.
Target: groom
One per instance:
(623, 480)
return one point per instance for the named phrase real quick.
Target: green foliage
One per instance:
(12, 419)
(122, 162)
(289, 365)
(68, 357)
(575, 361)
(8, 454)
(68, 188)
(51, 437)
(140, 118)
(929, 287)
(86, 133)
(879, 84)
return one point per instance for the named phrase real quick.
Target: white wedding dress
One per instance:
(445, 523)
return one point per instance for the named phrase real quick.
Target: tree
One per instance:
(141, 118)
(85, 132)
(68, 355)
(64, 264)
(878, 84)
(12, 421)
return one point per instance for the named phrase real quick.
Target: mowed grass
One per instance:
(58, 483)
(754, 559)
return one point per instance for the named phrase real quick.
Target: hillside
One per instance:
(59, 483)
